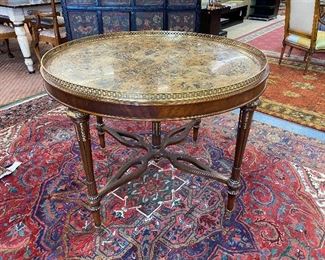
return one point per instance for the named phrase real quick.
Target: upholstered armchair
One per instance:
(301, 28)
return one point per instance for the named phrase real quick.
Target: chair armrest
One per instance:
(322, 16)
(41, 19)
(40, 13)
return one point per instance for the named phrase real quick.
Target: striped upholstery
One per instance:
(49, 21)
(4, 29)
(305, 42)
(60, 20)
(50, 33)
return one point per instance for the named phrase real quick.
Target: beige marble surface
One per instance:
(155, 66)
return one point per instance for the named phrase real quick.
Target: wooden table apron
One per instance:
(82, 105)
(155, 112)
(17, 11)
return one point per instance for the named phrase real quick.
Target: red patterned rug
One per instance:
(166, 214)
(291, 95)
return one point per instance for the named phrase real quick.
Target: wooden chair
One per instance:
(45, 20)
(6, 32)
(48, 28)
(301, 28)
(322, 17)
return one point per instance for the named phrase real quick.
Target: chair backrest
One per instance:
(89, 17)
(55, 22)
(302, 17)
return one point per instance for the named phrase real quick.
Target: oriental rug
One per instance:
(166, 214)
(291, 95)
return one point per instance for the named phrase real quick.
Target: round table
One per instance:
(155, 76)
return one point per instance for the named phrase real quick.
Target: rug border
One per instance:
(21, 101)
(291, 113)
(242, 38)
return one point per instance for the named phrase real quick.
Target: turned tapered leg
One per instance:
(156, 137)
(245, 120)
(196, 129)
(101, 133)
(308, 58)
(282, 53)
(290, 50)
(156, 134)
(81, 123)
(305, 57)
(10, 55)
(18, 19)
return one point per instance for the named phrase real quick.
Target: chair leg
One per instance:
(307, 61)
(196, 129)
(35, 44)
(29, 27)
(101, 132)
(10, 55)
(2, 44)
(290, 50)
(282, 52)
(305, 57)
(37, 52)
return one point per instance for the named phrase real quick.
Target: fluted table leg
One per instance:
(156, 137)
(245, 120)
(81, 123)
(196, 129)
(101, 133)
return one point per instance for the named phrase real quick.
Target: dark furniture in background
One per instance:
(235, 16)
(264, 9)
(89, 17)
(211, 21)
(214, 21)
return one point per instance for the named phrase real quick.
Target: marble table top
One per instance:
(154, 67)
